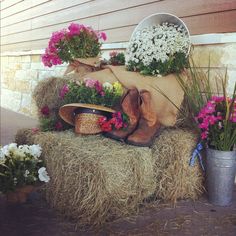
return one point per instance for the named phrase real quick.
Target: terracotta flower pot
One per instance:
(20, 195)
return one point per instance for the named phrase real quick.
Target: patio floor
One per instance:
(36, 218)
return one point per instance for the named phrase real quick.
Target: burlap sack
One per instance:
(157, 86)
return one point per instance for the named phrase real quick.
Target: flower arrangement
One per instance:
(77, 41)
(118, 121)
(21, 166)
(116, 58)
(92, 92)
(158, 50)
(217, 122)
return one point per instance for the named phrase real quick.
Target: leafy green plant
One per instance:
(20, 166)
(93, 92)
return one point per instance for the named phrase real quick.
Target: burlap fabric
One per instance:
(157, 86)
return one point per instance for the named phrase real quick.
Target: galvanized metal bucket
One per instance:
(220, 171)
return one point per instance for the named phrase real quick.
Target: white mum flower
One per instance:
(12, 147)
(2, 156)
(107, 85)
(35, 150)
(26, 173)
(43, 175)
(5, 150)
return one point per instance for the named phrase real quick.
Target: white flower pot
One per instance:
(159, 18)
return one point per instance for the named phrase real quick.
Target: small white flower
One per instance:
(15, 181)
(107, 85)
(43, 175)
(26, 173)
(35, 150)
(5, 150)
(2, 156)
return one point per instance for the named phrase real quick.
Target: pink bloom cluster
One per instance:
(213, 114)
(51, 57)
(64, 90)
(91, 83)
(116, 122)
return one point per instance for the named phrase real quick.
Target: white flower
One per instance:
(2, 156)
(43, 175)
(26, 173)
(157, 43)
(35, 150)
(107, 85)
(5, 150)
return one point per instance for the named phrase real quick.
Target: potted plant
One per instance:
(88, 101)
(20, 171)
(217, 122)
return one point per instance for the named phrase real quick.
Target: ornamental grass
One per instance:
(96, 180)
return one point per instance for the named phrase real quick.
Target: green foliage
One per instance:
(175, 64)
(79, 46)
(82, 94)
(117, 59)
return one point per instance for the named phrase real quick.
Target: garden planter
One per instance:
(20, 195)
(221, 171)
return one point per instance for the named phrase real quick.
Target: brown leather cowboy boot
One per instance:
(148, 123)
(130, 105)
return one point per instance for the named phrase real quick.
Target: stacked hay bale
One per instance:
(94, 179)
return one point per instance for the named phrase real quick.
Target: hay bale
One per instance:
(46, 92)
(175, 178)
(95, 179)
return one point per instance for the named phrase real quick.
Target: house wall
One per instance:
(26, 26)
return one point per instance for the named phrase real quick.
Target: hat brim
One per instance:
(66, 112)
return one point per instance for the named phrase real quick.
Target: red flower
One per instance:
(45, 111)
(58, 126)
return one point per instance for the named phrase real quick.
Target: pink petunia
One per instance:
(103, 36)
(64, 90)
(74, 29)
(204, 135)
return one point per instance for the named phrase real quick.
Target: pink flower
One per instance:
(35, 130)
(57, 36)
(204, 135)
(204, 125)
(58, 126)
(90, 83)
(103, 36)
(74, 29)
(45, 111)
(113, 54)
(64, 91)
(98, 87)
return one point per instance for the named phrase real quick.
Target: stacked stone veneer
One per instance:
(20, 74)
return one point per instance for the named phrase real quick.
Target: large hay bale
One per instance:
(95, 179)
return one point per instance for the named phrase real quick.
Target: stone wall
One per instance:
(20, 74)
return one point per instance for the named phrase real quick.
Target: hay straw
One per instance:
(46, 93)
(175, 178)
(95, 179)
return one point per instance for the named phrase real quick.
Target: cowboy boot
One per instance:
(130, 106)
(148, 124)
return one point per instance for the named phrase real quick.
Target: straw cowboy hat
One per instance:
(84, 116)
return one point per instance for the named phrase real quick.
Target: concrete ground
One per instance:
(36, 218)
